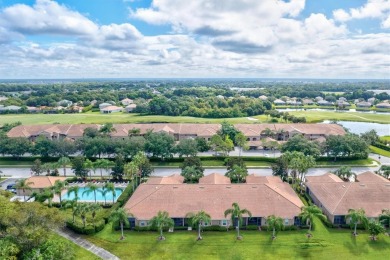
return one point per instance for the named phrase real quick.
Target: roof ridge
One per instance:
(280, 193)
(341, 198)
(155, 190)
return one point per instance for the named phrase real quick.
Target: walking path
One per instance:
(100, 252)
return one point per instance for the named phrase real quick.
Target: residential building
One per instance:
(363, 104)
(307, 101)
(279, 102)
(263, 196)
(127, 101)
(111, 109)
(39, 183)
(335, 197)
(383, 105)
(263, 97)
(104, 105)
(324, 103)
(130, 108)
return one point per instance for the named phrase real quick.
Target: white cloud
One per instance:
(372, 9)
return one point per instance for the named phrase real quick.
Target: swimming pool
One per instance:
(91, 197)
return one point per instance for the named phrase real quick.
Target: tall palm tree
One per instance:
(275, 224)
(75, 190)
(91, 188)
(63, 161)
(107, 129)
(308, 213)
(384, 218)
(93, 208)
(121, 216)
(161, 221)
(236, 213)
(23, 185)
(72, 204)
(58, 187)
(49, 194)
(356, 216)
(81, 210)
(109, 187)
(88, 165)
(139, 159)
(200, 218)
(131, 170)
(103, 164)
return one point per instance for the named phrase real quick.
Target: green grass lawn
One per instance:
(325, 244)
(379, 151)
(98, 118)
(212, 163)
(385, 138)
(361, 162)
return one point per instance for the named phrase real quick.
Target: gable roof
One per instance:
(41, 182)
(327, 177)
(261, 199)
(214, 178)
(370, 177)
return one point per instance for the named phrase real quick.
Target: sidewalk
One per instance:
(75, 238)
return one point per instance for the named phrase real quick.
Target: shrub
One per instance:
(252, 227)
(215, 228)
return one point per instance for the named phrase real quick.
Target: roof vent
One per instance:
(175, 187)
(254, 187)
(228, 187)
(387, 185)
(201, 187)
(363, 185)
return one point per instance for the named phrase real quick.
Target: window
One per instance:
(223, 222)
(142, 223)
(286, 221)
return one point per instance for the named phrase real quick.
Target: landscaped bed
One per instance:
(325, 244)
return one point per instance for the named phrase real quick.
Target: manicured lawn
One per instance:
(325, 244)
(361, 162)
(385, 138)
(80, 253)
(212, 163)
(379, 151)
(98, 118)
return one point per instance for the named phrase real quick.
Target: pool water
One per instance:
(91, 196)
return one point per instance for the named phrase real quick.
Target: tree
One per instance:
(193, 161)
(133, 145)
(384, 218)
(191, 174)
(43, 147)
(229, 130)
(17, 146)
(94, 208)
(78, 167)
(72, 204)
(200, 218)
(357, 216)
(280, 168)
(75, 190)
(134, 132)
(103, 164)
(375, 228)
(298, 163)
(52, 249)
(161, 221)
(118, 168)
(216, 143)
(308, 213)
(267, 133)
(91, 132)
(345, 173)
(36, 168)
(384, 171)
(187, 147)
(88, 166)
(160, 144)
(242, 143)
(64, 147)
(48, 193)
(231, 161)
(81, 210)
(64, 161)
(107, 129)
(300, 144)
(51, 169)
(237, 213)
(121, 216)
(202, 144)
(107, 188)
(237, 174)
(23, 185)
(371, 137)
(91, 188)
(275, 224)
(58, 187)
(131, 170)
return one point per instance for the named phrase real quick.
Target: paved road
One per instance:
(100, 252)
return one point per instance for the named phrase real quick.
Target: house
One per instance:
(342, 103)
(65, 103)
(127, 101)
(3, 98)
(263, 97)
(324, 103)
(371, 100)
(307, 101)
(363, 104)
(220, 97)
(335, 197)
(10, 108)
(130, 108)
(104, 105)
(317, 99)
(33, 109)
(263, 196)
(111, 109)
(39, 183)
(294, 103)
(279, 102)
(383, 105)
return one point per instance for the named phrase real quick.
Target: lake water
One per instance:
(323, 109)
(362, 127)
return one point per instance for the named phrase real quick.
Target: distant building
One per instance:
(111, 109)
(279, 102)
(127, 101)
(324, 103)
(10, 108)
(318, 99)
(383, 105)
(363, 104)
(307, 101)
(103, 105)
(262, 97)
(221, 97)
(130, 108)
(371, 100)
(39, 183)
(342, 103)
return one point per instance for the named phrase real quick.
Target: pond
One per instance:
(362, 127)
(330, 109)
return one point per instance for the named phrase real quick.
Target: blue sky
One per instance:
(199, 38)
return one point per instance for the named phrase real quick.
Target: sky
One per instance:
(337, 39)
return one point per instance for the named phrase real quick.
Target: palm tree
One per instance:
(345, 173)
(308, 213)
(75, 190)
(131, 170)
(375, 228)
(107, 129)
(275, 224)
(88, 165)
(384, 218)
(161, 221)
(139, 159)
(102, 164)
(63, 161)
(120, 215)
(356, 216)
(109, 187)
(81, 210)
(73, 205)
(134, 132)
(49, 194)
(199, 218)
(267, 132)
(237, 213)
(91, 188)
(94, 208)
(23, 185)
(59, 186)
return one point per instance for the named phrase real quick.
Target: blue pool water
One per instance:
(91, 196)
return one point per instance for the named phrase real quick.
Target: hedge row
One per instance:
(382, 146)
(88, 229)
